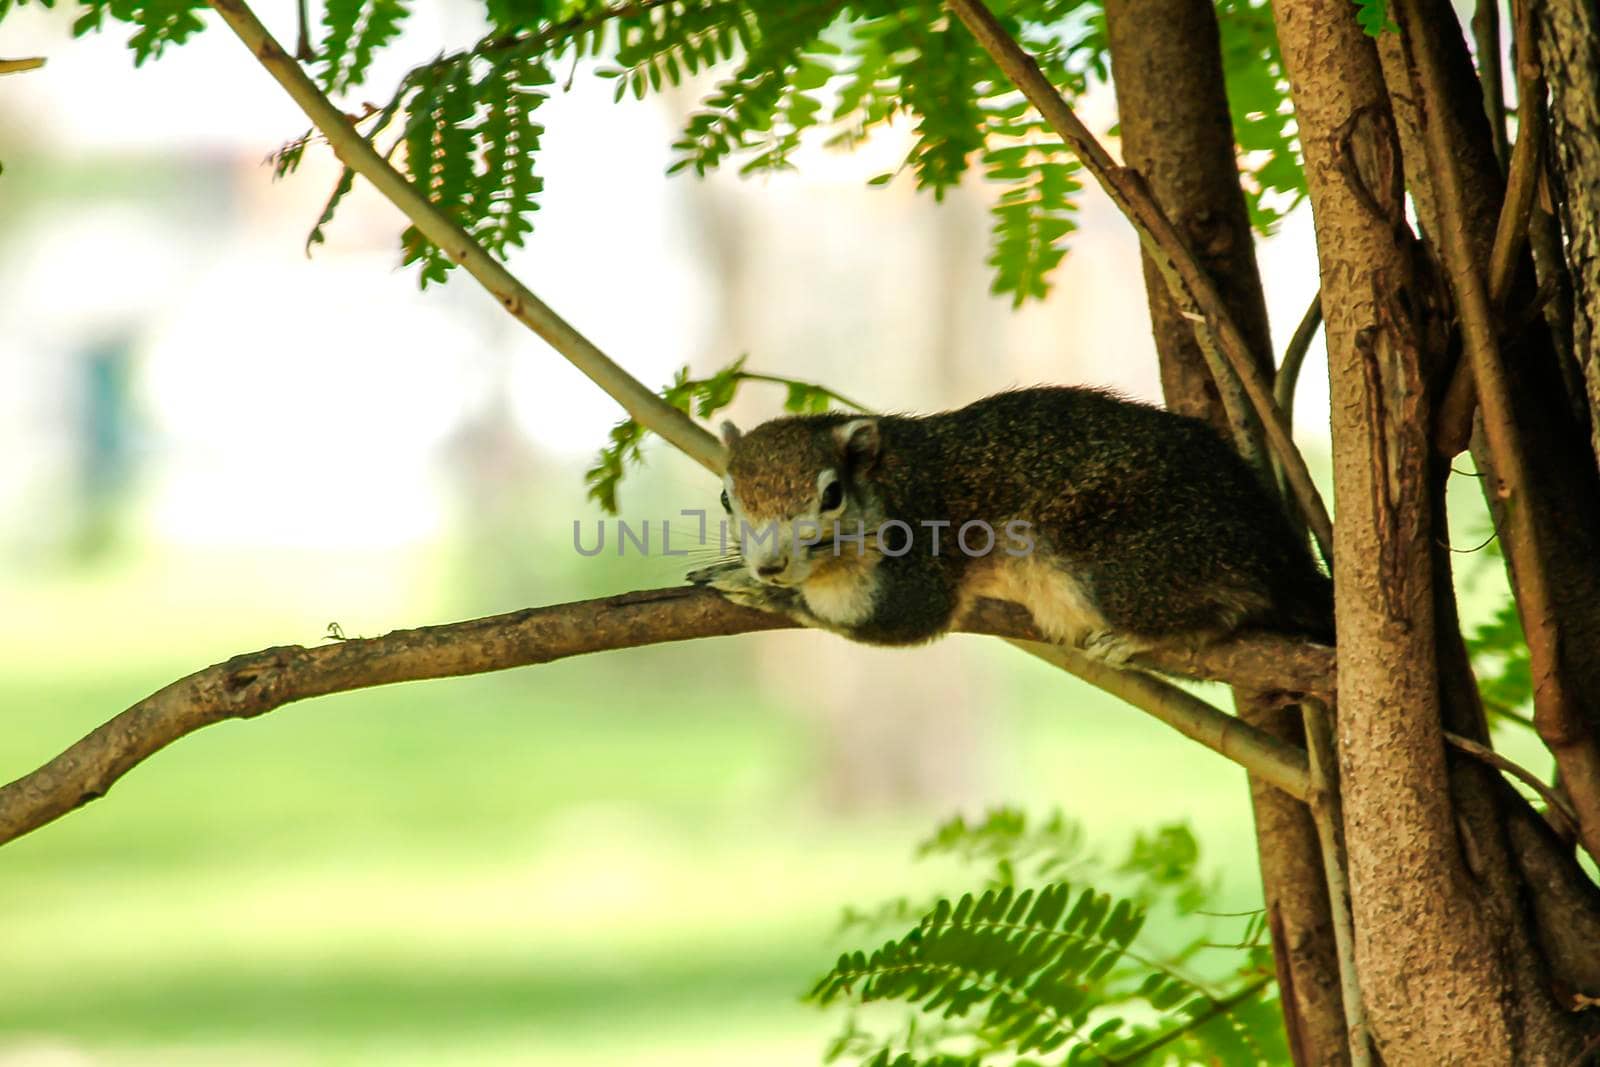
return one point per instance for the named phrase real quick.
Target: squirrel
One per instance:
(1121, 527)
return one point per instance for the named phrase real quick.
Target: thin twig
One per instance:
(255, 683)
(1556, 712)
(302, 48)
(642, 404)
(1486, 36)
(17, 66)
(1287, 379)
(1140, 1053)
(1557, 803)
(775, 379)
(570, 27)
(1327, 812)
(1453, 424)
(1227, 352)
(1275, 762)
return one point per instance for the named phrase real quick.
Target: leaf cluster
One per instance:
(1271, 166)
(1373, 15)
(1499, 652)
(1052, 970)
(703, 398)
(776, 69)
(1051, 974)
(471, 141)
(156, 23)
(1497, 647)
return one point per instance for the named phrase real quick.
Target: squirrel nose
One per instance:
(771, 570)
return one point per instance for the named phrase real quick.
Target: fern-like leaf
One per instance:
(1049, 971)
(1263, 121)
(506, 189)
(766, 104)
(938, 85)
(1025, 958)
(704, 397)
(341, 189)
(353, 32)
(157, 23)
(1032, 216)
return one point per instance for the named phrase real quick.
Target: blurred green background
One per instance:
(211, 444)
(634, 858)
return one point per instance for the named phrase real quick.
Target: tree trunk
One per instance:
(1569, 42)
(1567, 492)
(1176, 131)
(1436, 969)
(1166, 65)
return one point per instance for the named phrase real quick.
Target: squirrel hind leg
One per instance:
(1110, 647)
(1061, 605)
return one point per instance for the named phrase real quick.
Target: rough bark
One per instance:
(1434, 978)
(1176, 132)
(1570, 50)
(1545, 910)
(1552, 559)
(1296, 895)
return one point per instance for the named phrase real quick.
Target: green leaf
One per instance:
(704, 397)
(157, 23)
(1032, 216)
(1373, 15)
(1263, 121)
(346, 182)
(1051, 970)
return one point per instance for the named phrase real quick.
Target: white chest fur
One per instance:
(841, 595)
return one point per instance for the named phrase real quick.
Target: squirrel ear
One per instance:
(857, 440)
(730, 433)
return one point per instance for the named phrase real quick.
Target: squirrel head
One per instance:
(793, 485)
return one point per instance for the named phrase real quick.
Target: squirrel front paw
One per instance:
(734, 582)
(710, 575)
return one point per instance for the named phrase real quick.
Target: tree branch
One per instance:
(642, 405)
(1194, 292)
(253, 684)
(1294, 358)
(1560, 810)
(566, 28)
(1326, 809)
(1453, 424)
(1486, 38)
(257, 682)
(1269, 759)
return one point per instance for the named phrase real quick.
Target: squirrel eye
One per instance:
(832, 496)
(726, 506)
